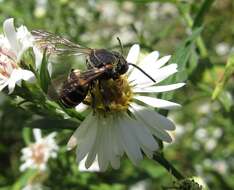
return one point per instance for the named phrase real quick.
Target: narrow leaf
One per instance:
(181, 57)
(45, 79)
(229, 70)
(53, 123)
(201, 13)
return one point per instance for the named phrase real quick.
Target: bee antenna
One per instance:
(151, 78)
(120, 44)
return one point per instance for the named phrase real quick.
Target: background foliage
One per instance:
(198, 33)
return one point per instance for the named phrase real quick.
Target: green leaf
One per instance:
(226, 100)
(53, 123)
(229, 70)
(201, 13)
(22, 181)
(45, 79)
(182, 54)
(26, 135)
(181, 57)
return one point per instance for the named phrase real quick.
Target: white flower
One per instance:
(13, 44)
(36, 155)
(222, 48)
(132, 123)
(40, 8)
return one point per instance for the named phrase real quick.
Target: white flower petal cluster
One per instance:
(13, 44)
(132, 131)
(36, 155)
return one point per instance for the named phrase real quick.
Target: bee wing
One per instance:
(57, 44)
(55, 87)
(76, 79)
(84, 78)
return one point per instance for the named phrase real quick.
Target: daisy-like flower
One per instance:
(13, 44)
(131, 124)
(36, 155)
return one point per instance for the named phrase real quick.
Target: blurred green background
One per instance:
(200, 36)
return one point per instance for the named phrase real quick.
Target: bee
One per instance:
(102, 64)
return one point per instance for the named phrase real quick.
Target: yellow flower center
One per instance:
(110, 95)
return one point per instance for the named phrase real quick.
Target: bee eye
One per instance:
(123, 68)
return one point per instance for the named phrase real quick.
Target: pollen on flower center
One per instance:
(38, 153)
(112, 95)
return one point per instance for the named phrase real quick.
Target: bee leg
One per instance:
(89, 64)
(93, 102)
(104, 97)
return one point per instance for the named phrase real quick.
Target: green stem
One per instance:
(158, 157)
(200, 43)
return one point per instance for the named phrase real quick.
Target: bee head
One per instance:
(122, 65)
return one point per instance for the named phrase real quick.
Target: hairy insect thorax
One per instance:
(112, 95)
(101, 57)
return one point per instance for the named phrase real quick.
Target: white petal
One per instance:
(150, 60)
(162, 61)
(93, 168)
(16, 75)
(165, 72)
(150, 65)
(28, 75)
(157, 74)
(93, 152)
(157, 103)
(80, 132)
(129, 140)
(152, 124)
(87, 142)
(148, 153)
(10, 33)
(3, 85)
(156, 89)
(24, 39)
(38, 57)
(157, 128)
(2, 77)
(81, 107)
(102, 155)
(24, 166)
(109, 144)
(11, 86)
(145, 137)
(37, 134)
(117, 138)
(114, 146)
(153, 117)
(133, 54)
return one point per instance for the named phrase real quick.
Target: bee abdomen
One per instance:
(71, 98)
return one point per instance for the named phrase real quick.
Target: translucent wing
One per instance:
(57, 44)
(84, 78)
(76, 79)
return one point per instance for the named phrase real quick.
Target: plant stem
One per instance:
(158, 157)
